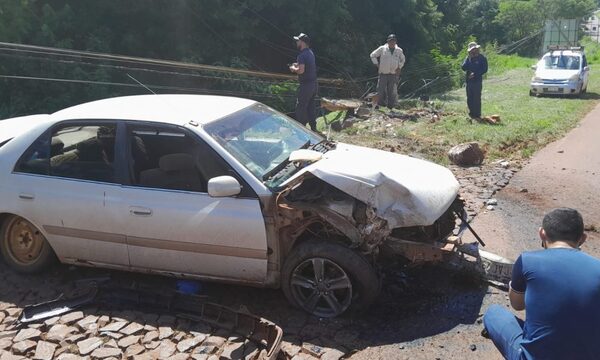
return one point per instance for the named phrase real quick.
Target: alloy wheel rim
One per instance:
(24, 242)
(321, 287)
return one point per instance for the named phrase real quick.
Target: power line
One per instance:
(157, 87)
(156, 62)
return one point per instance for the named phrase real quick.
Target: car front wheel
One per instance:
(326, 279)
(23, 247)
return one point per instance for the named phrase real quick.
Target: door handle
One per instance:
(25, 196)
(140, 211)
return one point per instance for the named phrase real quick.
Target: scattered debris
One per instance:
(492, 202)
(467, 154)
(490, 208)
(492, 120)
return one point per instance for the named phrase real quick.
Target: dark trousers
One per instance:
(306, 113)
(387, 89)
(474, 98)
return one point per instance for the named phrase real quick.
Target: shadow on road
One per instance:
(414, 304)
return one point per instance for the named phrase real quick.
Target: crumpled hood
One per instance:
(405, 191)
(555, 74)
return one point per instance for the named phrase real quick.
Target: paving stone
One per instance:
(5, 343)
(113, 335)
(232, 351)
(134, 349)
(204, 350)
(132, 328)
(290, 349)
(60, 332)
(164, 332)
(85, 323)
(15, 312)
(8, 334)
(103, 320)
(332, 354)
(51, 321)
(68, 357)
(2, 316)
(44, 350)
(152, 345)
(71, 317)
(179, 356)
(111, 343)
(9, 320)
(312, 349)
(179, 336)
(115, 326)
(60, 350)
(150, 328)
(217, 341)
(89, 345)
(5, 305)
(8, 356)
(27, 334)
(35, 326)
(22, 347)
(150, 336)
(187, 344)
(74, 338)
(200, 356)
(105, 352)
(150, 355)
(129, 340)
(166, 349)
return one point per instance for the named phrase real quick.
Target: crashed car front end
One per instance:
(383, 204)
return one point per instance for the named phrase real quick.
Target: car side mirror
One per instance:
(586, 68)
(223, 186)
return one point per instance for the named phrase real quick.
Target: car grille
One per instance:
(555, 82)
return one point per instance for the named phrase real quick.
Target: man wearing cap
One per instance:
(306, 68)
(475, 66)
(389, 59)
(559, 288)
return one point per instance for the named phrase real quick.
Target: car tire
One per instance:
(23, 247)
(531, 93)
(348, 280)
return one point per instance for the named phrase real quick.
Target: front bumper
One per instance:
(562, 88)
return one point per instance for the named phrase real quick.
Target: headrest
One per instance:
(56, 146)
(176, 162)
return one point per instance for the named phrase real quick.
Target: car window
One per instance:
(171, 158)
(83, 152)
(561, 62)
(260, 138)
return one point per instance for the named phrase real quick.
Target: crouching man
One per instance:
(559, 288)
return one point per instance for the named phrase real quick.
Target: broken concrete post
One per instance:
(468, 154)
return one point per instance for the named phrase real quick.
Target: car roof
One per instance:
(175, 109)
(565, 52)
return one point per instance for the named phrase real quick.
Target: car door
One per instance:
(586, 72)
(173, 225)
(67, 183)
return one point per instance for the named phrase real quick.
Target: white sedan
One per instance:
(216, 188)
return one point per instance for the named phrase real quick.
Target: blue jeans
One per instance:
(505, 330)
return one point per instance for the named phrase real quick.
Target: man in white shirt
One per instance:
(389, 59)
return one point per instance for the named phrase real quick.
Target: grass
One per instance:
(528, 123)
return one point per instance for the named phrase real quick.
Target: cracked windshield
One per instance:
(260, 138)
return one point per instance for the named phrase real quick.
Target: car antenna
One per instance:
(144, 86)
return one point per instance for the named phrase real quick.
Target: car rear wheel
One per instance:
(23, 247)
(327, 279)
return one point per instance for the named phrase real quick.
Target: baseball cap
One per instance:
(391, 37)
(302, 37)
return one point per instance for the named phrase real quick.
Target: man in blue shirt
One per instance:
(306, 68)
(559, 288)
(475, 65)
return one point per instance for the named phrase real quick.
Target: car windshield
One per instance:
(260, 138)
(562, 62)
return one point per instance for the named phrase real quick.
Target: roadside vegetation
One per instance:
(527, 123)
